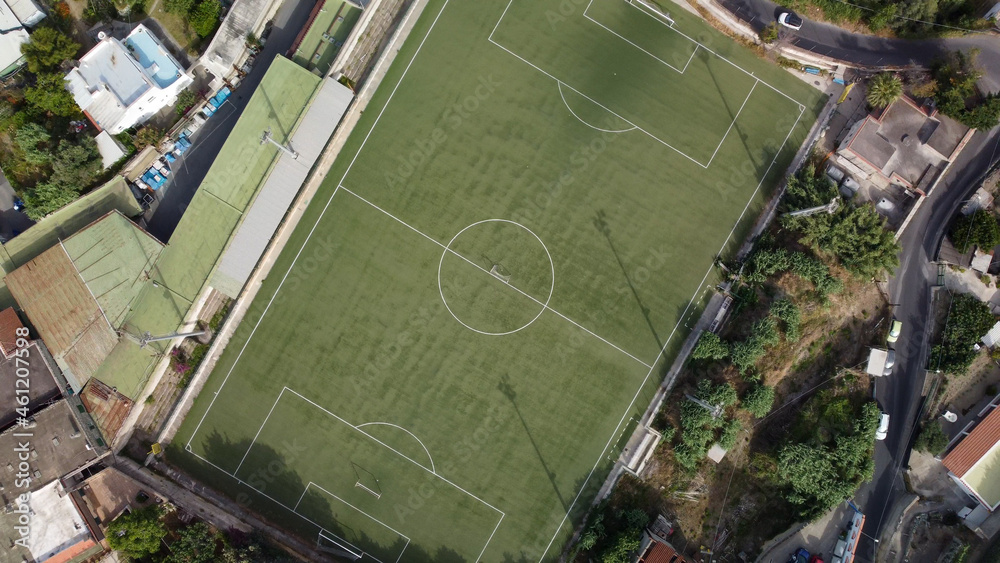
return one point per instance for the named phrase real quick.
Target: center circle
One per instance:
(496, 277)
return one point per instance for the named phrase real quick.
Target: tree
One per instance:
(979, 229)
(788, 313)
(179, 7)
(47, 197)
(856, 236)
(137, 534)
(49, 95)
(884, 89)
(76, 164)
(710, 347)
(185, 100)
(147, 136)
(28, 138)
(758, 400)
(805, 189)
(196, 544)
(47, 48)
(721, 394)
(969, 319)
(956, 76)
(204, 17)
(931, 439)
(730, 433)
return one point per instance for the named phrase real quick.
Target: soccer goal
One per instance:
(500, 273)
(367, 481)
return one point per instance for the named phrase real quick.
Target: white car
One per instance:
(883, 427)
(790, 20)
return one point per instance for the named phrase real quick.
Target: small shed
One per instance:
(992, 337)
(876, 362)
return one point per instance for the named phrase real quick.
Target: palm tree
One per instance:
(884, 89)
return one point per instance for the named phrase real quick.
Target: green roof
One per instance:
(203, 233)
(114, 258)
(112, 196)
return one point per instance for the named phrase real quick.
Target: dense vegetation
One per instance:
(978, 229)
(855, 235)
(954, 90)
(45, 160)
(912, 18)
(834, 458)
(969, 319)
(202, 16)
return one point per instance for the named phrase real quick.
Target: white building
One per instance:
(119, 84)
(15, 16)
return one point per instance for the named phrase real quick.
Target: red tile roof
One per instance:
(657, 552)
(974, 446)
(9, 323)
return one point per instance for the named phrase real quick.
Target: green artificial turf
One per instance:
(473, 308)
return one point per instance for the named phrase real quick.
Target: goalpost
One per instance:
(500, 273)
(366, 481)
(329, 543)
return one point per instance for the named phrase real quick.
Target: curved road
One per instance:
(867, 50)
(911, 286)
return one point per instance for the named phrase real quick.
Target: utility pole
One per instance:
(267, 138)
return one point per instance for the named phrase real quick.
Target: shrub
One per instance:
(758, 400)
(788, 313)
(730, 433)
(770, 33)
(185, 100)
(968, 320)
(205, 17)
(931, 439)
(710, 347)
(979, 229)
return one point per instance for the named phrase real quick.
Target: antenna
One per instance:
(267, 138)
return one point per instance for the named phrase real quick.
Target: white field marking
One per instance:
(630, 42)
(646, 10)
(605, 108)
(321, 215)
(390, 448)
(552, 273)
(672, 332)
(255, 436)
(487, 272)
(341, 543)
(369, 516)
(414, 436)
(573, 113)
(737, 116)
(270, 498)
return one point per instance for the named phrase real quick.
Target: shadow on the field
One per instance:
(508, 391)
(732, 115)
(602, 226)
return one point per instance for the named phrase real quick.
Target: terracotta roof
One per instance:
(658, 552)
(974, 446)
(9, 323)
(108, 407)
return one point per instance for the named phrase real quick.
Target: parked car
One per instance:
(894, 329)
(883, 427)
(800, 556)
(790, 20)
(890, 361)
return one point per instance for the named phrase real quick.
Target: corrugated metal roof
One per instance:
(108, 407)
(973, 447)
(113, 256)
(280, 188)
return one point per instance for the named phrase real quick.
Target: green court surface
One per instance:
(486, 292)
(326, 34)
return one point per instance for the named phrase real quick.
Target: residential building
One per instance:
(122, 83)
(655, 547)
(16, 16)
(974, 463)
(58, 531)
(904, 144)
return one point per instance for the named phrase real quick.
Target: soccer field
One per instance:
(486, 292)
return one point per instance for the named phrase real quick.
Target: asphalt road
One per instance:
(867, 50)
(910, 288)
(177, 194)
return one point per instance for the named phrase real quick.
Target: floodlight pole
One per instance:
(266, 138)
(146, 337)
